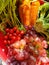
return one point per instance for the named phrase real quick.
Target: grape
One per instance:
(6, 37)
(3, 52)
(7, 30)
(21, 32)
(26, 48)
(7, 33)
(5, 42)
(8, 42)
(19, 56)
(23, 63)
(17, 31)
(44, 44)
(12, 59)
(10, 36)
(14, 29)
(14, 63)
(11, 31)
(13, 37)
(26, 55)
(42, 52)
(42, 61)
(18, 38)
(30, 62)
(14, 34)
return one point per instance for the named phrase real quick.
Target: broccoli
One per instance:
(42, 23)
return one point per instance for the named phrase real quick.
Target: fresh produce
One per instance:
(42, 23)
(8, 15)
(28, 49)
(20, 43)
(12, 35)
(3, 48)
(34, 11)
(28, 12)
(24, 12)
(42, 61)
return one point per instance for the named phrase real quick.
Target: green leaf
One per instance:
(42, 23)
(3, 4)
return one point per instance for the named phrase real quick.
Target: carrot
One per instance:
(34, 11)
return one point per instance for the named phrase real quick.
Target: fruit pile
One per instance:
(21, 44)
(12, 35)
(24, 48)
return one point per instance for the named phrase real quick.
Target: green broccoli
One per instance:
(42, 23)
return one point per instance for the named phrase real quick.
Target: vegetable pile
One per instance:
(24, 32)
(42, 23)
(8, 14)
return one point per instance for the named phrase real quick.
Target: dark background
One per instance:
(47, 0)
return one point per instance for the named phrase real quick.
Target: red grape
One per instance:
(19, 56)
(14, 29)
(9, 42)
(14, 38)
(18, 38)
(5, 42)
(23, 63)
(11, 31)
(6, 37)
(10, 36)
(3, 52)
(42, 61)
(44, 44)
(17, 31)
(7, 29)
(14, 34)
(21, 32)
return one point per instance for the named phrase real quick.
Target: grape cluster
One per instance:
(12, 35)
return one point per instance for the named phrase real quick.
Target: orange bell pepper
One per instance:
(34, 11)
(24, 12)
(28, 12)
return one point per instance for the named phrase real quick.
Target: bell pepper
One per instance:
(34, 11)
(24, 12)
(28, 12)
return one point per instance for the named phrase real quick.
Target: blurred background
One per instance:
(47, 0)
